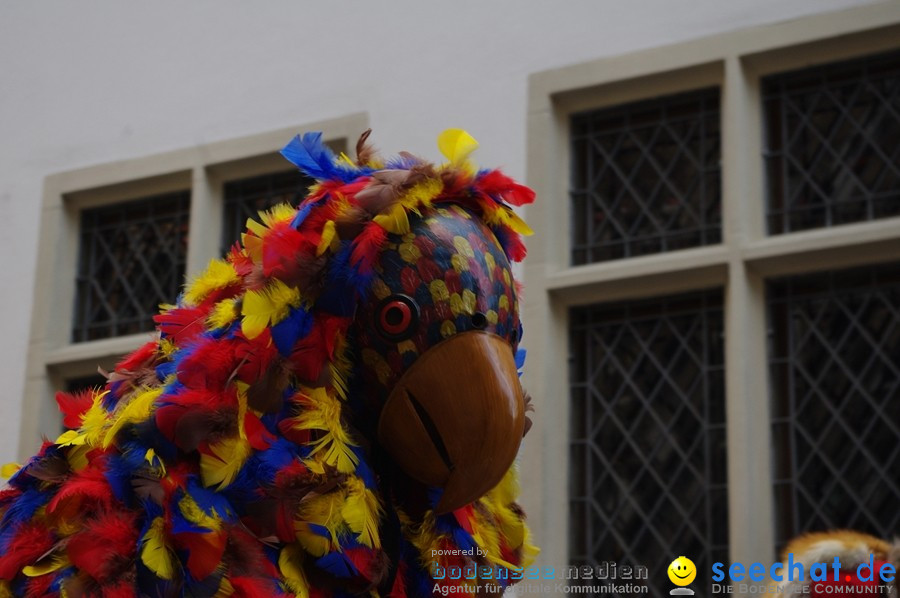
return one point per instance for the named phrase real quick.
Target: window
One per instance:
(245, 198)
(647, 441)
(729, 386)
(832, 155)
(119, 239)
(132, 259)
(835, 375)
(645, 177)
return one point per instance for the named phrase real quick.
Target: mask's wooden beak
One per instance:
(455, 419)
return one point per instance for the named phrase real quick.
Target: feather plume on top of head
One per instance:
(260, 444)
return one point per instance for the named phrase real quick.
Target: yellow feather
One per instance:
(223, 314)
(361, 511)
(5, 592)
(77, 457)
(47, 566)
(256, 228)
(167, 347)
(222, 466)
(71, 438)
(193, 513)
(93, 421)
(8, 470)
(324, 413)
(394, 219)
(218, 275)
(225, 589)
(329, 238)
(276, 214)
(456, 145)
(421, 194)
(340, 367)
(253, 246)
(154, 461)
(155, 553)
(323, 510)
(517, 224)
(271, 304)
(290, 563)
(136, 410)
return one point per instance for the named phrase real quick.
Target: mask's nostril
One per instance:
(432, 430)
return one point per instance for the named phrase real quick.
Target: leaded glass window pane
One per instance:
(647, 479)
(245, 198)
(834, 357)
(831, 154)
(646, 177)
(132, 258)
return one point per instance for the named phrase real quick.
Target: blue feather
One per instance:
(337, 564)
(404, 162)
(339, 297)
(319, 530)
(520, 360)
(165, 369)
(310, 154)
(362, 468)
(23, 507)
(288, 331)
(434, 495)
(302, 213)
(210, 501)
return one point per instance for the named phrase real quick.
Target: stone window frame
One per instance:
(740, 265)
(53, 359)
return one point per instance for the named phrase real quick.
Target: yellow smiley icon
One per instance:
(682, 571)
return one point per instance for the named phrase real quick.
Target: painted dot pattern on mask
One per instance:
(455, 271)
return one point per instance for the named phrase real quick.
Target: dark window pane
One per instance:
(79, 384)
(835, 384)
(831, 148)
(645, 177)
(132, 258)
(245, 198)
(647, 478)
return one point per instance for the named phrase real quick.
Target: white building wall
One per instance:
(84, 83)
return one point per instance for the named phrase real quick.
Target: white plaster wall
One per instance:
(89, 82)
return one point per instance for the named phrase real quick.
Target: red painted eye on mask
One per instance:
(397, 317)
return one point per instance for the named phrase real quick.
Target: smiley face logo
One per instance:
(682, 571)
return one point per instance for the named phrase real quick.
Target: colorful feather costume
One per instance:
(242, 452)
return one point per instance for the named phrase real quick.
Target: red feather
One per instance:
(39, 587)
(122, 589)
(286, 429)
(209, 365)
(257, 434)
(242, 262)
(514, 246)
(399, 588)
(200, 404)
(139, 358)
(73, 405)
(257, 355)
(366, 247)
(283, 247)
(498, 184)
(204, 551)
(182, 323)
(253, 587)
(364, 559)
(246, 557)
(90, 483)
(105, 541)
(463, 516)
(29, 544)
